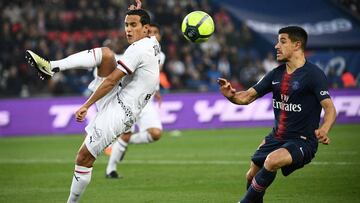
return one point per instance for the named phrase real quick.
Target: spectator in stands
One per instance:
(224, 65)
(334, 79)
(62, 29)
(212, 75)
(269, 62)
(13, 84)
(348, 79)
(353, 6)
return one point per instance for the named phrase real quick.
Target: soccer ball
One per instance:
(197, 26)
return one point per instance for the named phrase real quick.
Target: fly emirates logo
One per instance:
(285, 106)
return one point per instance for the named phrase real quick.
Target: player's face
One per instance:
(134, 29)
(154, 31)
(284, 48)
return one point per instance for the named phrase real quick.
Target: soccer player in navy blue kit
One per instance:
(299, 91)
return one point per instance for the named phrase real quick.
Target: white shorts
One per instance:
(149, 117)
(109, 122)
(100, 104)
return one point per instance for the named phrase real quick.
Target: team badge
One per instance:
(295, 85)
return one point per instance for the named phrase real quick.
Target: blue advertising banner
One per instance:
(336, 60)
(327, 25)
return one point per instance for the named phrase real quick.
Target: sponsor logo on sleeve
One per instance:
(323, 93)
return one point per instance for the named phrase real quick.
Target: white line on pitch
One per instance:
(160, 162)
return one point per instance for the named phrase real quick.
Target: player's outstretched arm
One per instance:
(105, 87)
(241, 97)
(329, 120)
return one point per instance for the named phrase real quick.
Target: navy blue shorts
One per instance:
(301, 151)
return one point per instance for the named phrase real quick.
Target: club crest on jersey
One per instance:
(295, 85)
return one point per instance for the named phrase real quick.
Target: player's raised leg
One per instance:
(40, 64)
(87, 59)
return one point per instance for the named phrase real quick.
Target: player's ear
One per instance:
(147, 29)
(298, 45)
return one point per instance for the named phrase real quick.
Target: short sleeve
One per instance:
(263, 86)
(162, 58)
(320, 85)
(130, 60)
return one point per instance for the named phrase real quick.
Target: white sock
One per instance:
(142, 137)
(117, 153)
(87, 59)
(81, 178)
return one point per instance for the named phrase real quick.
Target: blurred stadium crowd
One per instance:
(58, 28)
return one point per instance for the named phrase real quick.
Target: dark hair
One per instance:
(144, 16)
(295, 33)
(155, 25)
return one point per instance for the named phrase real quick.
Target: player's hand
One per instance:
(80, 114)
(138, 5)
(322, 136)
(225, 87)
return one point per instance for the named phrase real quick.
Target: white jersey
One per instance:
(140, 62)
(161, 63)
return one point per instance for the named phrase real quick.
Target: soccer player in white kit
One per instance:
(118, 108)
(149, 124)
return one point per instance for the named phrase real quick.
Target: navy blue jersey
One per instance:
(296, 100)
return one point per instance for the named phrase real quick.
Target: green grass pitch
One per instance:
(198, 166)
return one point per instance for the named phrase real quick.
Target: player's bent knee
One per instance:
(108, 62)
(155, 133)
(84, 158)
(277, 159)
(271, 163)
(107, 53)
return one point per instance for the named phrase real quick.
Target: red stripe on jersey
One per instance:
(124, 66)
(284, 87)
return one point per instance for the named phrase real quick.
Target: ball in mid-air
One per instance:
(197, 26)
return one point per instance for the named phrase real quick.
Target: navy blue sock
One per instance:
(258, 186)
(248, 184)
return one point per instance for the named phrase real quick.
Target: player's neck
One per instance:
(295, 63)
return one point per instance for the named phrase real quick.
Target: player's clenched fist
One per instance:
(225, 87)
